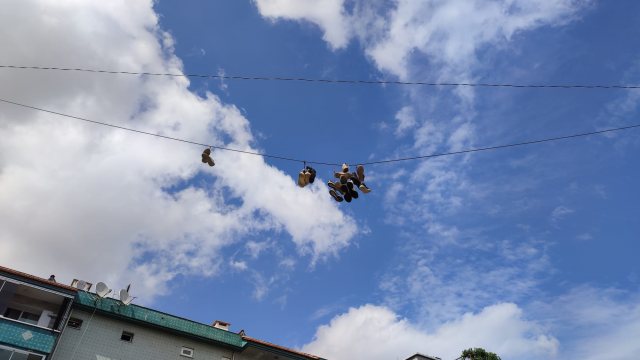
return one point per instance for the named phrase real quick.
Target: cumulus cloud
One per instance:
(122, 206)
(376, 332)
(329, 15)
(448, 32)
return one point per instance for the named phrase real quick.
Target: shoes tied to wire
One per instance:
(206, 157)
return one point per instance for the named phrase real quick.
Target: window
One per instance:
(186, 352)
(74, 323)
(12, 314)
(7, 353)
(23, 316)
(126, 336)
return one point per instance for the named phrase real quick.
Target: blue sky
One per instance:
(527, 251)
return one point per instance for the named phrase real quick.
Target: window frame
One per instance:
(79, 321)
(189, 349)
(127, 333)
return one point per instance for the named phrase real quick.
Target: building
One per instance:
(44, 320)
(418, 356)
(106, 329)
(33, 312)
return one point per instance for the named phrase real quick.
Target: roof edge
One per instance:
(279, 348)
(26, 277)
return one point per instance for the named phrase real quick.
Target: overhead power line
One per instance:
(324, 163)
(326, 80)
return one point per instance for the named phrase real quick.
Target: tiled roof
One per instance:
(249, 339)
(52, 283)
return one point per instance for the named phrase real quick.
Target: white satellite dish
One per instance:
(102, 290)
(81, 285)
(124, 297)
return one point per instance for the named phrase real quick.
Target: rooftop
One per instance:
(31, 279)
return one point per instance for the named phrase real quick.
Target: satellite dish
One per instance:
(81, 285)
(124, 297)
(102, 290)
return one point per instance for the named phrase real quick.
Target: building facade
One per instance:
(33, 313)
(44, 320)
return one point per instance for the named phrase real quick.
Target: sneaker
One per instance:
(347, 196)
(338, 187)
(343, 179)
(307, 177)
(330, 183)
(354, 194)
(360, 172)
(337, 197)
(301, 179)
(364, 188)
(345, 168)
(355, 180)
(312, 178)
(352, 190)
(210, 162)
(205, 155)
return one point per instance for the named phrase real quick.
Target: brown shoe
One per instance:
(210, 162)
(337, 197)
(205, 155)
(345, 168)
(360, 172)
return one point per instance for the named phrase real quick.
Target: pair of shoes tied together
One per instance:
(307, 176)
(206, 157)
(348, 184)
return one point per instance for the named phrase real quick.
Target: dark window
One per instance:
(126, 336)
(12, 314)
(74, 323)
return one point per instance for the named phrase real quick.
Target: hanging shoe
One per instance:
(312, 178)
(360, 172)
(345, 168)
(210, 162)
(330, 184)
(364, 188)
(337, 186)
(343, 179)
(355, 180)
(307, 177)
(352, 191)
(301, 179)
(347, 196)
(205, 155)
(337, 197)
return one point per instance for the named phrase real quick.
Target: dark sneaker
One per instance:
(337, 197)
(360, 172)
(343, 179)
(355, 180)
(352, 191)
(347, 196)
(312, 178)
(364, 188)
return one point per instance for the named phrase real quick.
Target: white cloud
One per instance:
(327, 14)
(101, 196)
(375, 332)
(448, 32)
(406, 120)
(559, 212)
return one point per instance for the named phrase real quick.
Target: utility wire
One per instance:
(323, 163)
(328, 80)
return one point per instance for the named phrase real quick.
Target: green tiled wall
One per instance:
(157, 318)
(11, 334)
